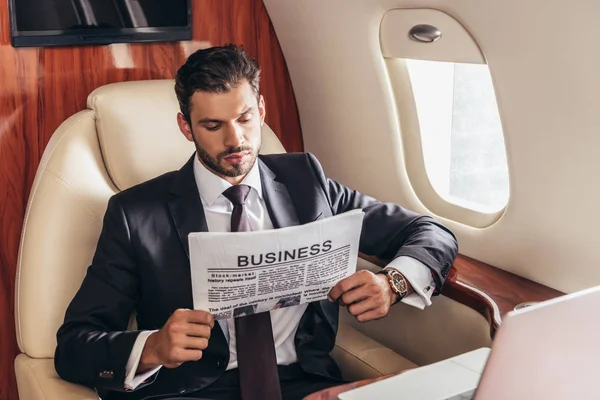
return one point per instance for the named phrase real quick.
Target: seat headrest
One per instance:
(138, 132)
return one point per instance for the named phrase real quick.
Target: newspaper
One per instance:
(237, 274)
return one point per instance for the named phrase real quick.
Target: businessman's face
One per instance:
(226, 128)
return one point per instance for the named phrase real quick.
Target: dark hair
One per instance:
(215, 70)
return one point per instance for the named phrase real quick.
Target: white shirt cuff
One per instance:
(419, 277)
(132, 380)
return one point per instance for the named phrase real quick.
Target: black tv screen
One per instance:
(77, 22)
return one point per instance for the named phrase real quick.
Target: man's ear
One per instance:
(261, 109)
(184, 127)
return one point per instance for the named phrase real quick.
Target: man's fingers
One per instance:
(198, 330)
(371, 315)
(346, 284)
(195, 343)
(363, 306)
(201, 317)
(181, 355)
(359, 293)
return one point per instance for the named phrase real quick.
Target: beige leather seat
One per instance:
(127, 135)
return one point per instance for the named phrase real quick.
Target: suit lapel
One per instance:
(188, 216)
(277, 199)
(186, 208)
(283, 214)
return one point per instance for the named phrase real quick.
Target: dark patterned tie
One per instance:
(257, 362)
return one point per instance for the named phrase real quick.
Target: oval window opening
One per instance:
(461, 133)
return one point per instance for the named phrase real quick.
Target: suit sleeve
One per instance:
(93, 344)
(390, 231)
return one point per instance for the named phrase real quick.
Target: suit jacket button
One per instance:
(445, 270)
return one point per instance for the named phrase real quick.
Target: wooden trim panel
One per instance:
(492, 291)
(489, 290)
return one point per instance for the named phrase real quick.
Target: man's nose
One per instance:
(235, 136)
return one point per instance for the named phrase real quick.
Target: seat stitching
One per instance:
(36, 380)
(356, 357)
(65, 183)
(42, 167)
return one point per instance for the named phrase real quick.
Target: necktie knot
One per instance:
(237, 194)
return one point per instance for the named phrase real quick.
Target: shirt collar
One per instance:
(211, 186)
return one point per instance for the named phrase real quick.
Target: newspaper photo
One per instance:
(242, 273)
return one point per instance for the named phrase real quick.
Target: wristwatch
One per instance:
(397, 282)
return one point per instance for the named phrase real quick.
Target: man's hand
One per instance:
(182, 339)
(367, 295)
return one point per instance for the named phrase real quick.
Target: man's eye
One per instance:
(212, 128)
(245, 119)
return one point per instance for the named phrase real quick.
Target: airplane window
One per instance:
(461, 133)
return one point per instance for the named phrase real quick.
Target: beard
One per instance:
(215, 163)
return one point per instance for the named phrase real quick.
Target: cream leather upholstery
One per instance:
(127, 135)
(361, 357)
(37, 380)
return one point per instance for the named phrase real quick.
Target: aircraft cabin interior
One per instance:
(481, 114)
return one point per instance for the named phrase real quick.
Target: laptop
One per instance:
(549, 351)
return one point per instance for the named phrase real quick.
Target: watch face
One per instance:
(398, 283)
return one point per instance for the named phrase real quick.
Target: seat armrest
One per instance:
(37, 380)
(360, 357)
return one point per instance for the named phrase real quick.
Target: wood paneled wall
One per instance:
(41, 87)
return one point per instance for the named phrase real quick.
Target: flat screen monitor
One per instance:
(79, 22)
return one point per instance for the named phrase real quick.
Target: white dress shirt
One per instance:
(285, 321)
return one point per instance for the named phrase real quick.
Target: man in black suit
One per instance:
(142, 261)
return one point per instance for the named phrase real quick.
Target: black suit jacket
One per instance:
(142, 263)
